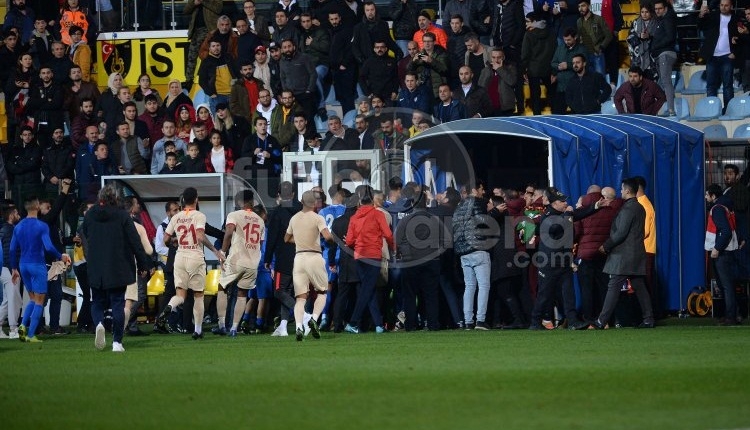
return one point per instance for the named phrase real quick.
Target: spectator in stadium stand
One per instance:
(220, 158)
(257, 23)
(25, 166)
(80, 52)
(612, 14)
(719, 48)
(536, 55)
(507, 32)
(343, 65)
(456, 47)
(285, 30)
(215, 75)
(460, 8)
(476, 54)
(244, 95)
(44, 108)
(298, 75)
(204, 15)
(75, 90)
(319, 10)
(262, 68)
(431, 60)
(372, 29)
(233, 128)
(21, 17)
(498, 78)
(663, 41)
(184, 119)
(98, 164)
(424, 21)
(142, 90)
(109, 104)
(411, 51)
(17, 90)
(201, 136)
(378, 73)
(263, 148)
(247, 42)
(58, 162)
(317, 44)
(562, 68)
(60, 63)
(339, 137)
(639, 94)
(274, 54)
(157, 152)
(595, 36)
(475, 99)
(129, 152)
(587, 89)
(364, 136)
(224, 35)
(290, 7)
(74, 15)
(282, 119)
(404, 15)
(40, 44)
(82, 121)
(137, 127)
(9, 54)
(152, 118)
(447, 108)
(175, 98)
(264, 108)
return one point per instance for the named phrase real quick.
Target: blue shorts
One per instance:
(34, 277)
(263, 286)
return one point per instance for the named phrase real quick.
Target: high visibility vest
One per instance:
(710, 241)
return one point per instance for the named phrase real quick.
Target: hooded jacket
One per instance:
(112, 243)
(469, 219)
(366, 232)
(537, 49)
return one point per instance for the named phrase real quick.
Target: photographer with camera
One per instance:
(430, 64)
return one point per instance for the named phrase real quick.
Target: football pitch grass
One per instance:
(687, 374)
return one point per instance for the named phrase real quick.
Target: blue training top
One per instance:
(32, 236)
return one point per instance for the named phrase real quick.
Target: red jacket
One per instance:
(652, 98)
(592, 231)
(228, 161)
(367, 229)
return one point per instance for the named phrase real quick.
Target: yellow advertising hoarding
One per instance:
(161, 54)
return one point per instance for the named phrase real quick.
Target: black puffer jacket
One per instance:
(469, 222)
(404, 16)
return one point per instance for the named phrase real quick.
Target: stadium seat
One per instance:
(737, 109)
(331, 95)
(348, 119)
(678, 80)
(697, 84)
(212, 282)
(608, 107)
(706, 109)
(715, 132)
(155, 285)
(321, 126)
(742, 132)
(682, 110)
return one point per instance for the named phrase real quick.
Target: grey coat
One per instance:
(626, 253)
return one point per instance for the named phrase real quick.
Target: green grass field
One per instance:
(685, 375)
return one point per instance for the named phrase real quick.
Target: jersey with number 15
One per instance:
(185, 226)
(246, 240)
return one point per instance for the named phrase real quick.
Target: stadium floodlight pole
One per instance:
(174, 23)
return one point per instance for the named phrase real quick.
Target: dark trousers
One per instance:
(506, 292)
(54, 295)
(593, 283)
(283, 290)
(535, 90)
(451, 295)
(116, 299)
(309, 104)
(368, 271)
(84, 314)
(550, 280)
(725, 270)
(342, 306)
(343, 84)
(613, 294)
(559, 104)
(133, 322)
(422, 280)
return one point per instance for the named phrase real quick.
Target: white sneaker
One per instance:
(99, 338)
(13, 334)
(3, 335)
(279, 332)
(117, 347)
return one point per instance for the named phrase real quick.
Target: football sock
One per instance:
(127, 317)
(299, 312)
(238, 307)
(320, 303)
(176, 301)
(282, 325)
(245, 317)
(27, 311)
(36, 315)
(305, 318)
(221, 308)
(259, 322)
(198, 310)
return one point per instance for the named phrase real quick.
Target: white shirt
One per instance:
(722, 45)
(218, 160)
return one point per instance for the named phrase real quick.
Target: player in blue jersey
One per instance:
(330, 213)
(31, 238)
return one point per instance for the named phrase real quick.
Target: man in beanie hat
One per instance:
(424, 20)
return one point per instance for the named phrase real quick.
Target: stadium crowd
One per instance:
(267, 89)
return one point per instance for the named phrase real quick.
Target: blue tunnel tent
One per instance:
(601, 149)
